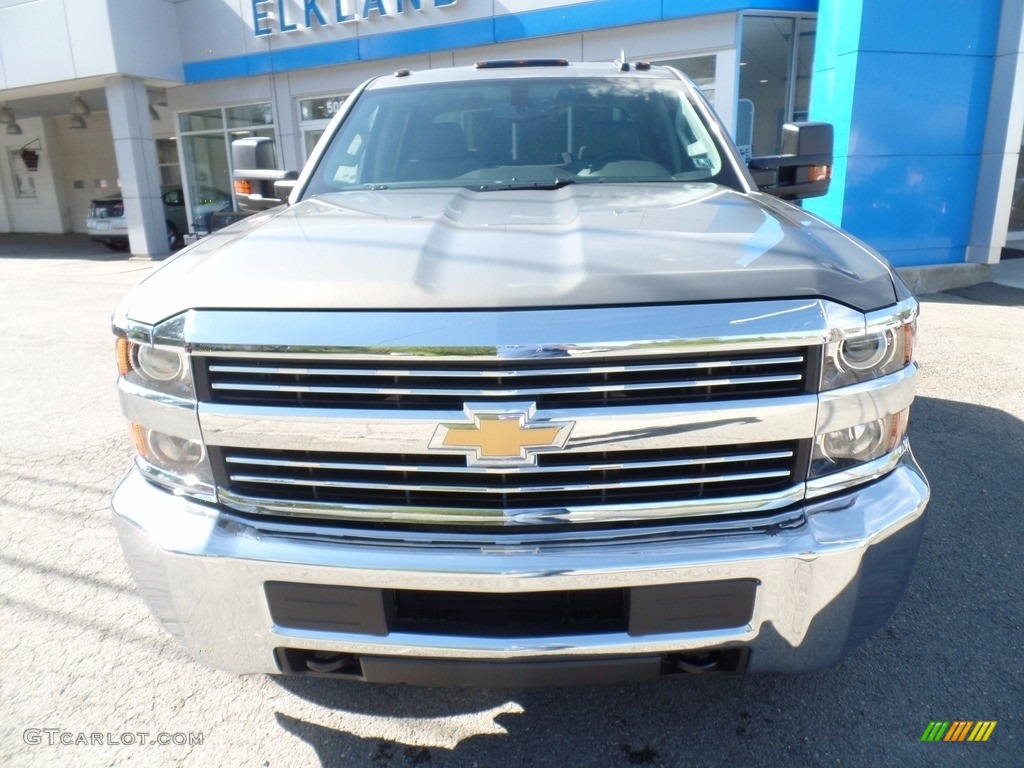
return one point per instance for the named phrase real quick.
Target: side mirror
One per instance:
(258, 183)
(804, 169)
(283, 187)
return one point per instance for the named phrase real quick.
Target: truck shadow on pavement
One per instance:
(943, 655)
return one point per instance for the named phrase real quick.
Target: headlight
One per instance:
(163, 369)
(159, 364)
(863, 353)
(861, 443)
(177, 453)
(868, 355)
(175, 462)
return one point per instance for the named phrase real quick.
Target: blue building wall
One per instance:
(907, 86)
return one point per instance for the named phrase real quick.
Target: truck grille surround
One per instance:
(633, 484)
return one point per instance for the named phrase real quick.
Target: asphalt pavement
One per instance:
(88, 679)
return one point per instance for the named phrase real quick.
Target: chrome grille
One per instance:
(276, 479)
(562, 382)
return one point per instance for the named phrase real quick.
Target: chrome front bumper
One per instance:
(823, 583)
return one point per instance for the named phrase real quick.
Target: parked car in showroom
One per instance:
(108, 224)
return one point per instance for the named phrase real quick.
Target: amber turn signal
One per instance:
(139, 439)
(820, 172)
(123, 353)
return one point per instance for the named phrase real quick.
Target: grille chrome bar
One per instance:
(434, 391)
(565, 513)
(595, 467)
(497, 489)
(505, 373)
(389, 433)
(447, 335)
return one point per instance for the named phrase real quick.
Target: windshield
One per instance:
(528, 133)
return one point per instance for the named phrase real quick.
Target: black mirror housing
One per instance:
(803, 169)
(256, 176)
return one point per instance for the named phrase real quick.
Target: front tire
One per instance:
(173, 238)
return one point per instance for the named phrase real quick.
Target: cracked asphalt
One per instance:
(82, 662)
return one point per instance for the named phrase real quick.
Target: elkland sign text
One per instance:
(274, 16)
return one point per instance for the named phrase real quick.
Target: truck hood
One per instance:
(454, 248)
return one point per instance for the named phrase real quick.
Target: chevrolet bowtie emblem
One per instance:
(501, 436)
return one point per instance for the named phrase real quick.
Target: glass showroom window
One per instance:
(703, 71)
(206, 137)
(167, 158)
(775, 79)
(700, 69)
(314, 116)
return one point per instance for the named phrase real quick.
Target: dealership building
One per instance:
(142, 96)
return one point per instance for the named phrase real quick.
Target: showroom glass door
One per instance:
(314, 117)
(206, 137)
(207, 169)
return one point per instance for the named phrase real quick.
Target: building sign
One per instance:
(270, 17)
(323, 108)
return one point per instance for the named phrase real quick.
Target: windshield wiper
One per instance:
(553, 184)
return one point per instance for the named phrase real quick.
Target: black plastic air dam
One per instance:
(448, 673)
(637, 611)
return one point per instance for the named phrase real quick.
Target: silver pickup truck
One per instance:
(530, 381)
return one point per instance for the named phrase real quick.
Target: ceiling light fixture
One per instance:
(78, 122)
(13, 129)
(79, 107)
(6, 115)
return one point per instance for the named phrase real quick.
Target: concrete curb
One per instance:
(944, 277)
